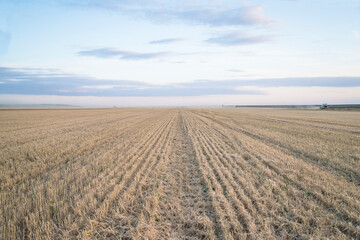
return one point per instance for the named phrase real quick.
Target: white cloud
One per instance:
(238, 38)
(100, 86)
(167, 41)
(126, 55)
(194, 12)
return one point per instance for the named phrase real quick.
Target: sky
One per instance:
(179, 53)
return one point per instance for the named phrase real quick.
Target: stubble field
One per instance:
(179, 174)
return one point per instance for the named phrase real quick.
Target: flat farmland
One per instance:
(179, 174)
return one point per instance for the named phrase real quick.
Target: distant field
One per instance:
(179, 174)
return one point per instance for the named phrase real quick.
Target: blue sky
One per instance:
(157, 52)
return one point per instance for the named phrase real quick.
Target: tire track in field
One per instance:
(186, 210)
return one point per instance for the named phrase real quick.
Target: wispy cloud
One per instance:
(29, 82)
(246, 15)
(101, 52)
(126, 55)
(197, 12)
(238, 38)
(167, 40)
(283, 82)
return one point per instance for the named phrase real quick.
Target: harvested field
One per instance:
(179, 174)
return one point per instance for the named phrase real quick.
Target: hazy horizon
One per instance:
(179, 53)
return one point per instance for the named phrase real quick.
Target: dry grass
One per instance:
(179, 173)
